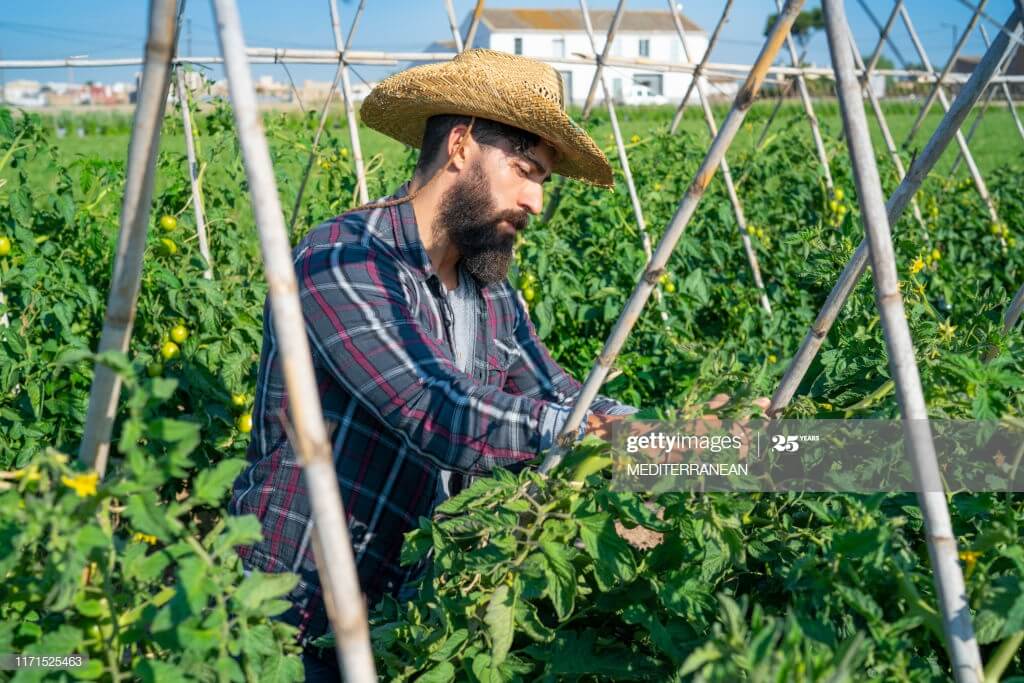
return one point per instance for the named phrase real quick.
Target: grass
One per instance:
(995, 143)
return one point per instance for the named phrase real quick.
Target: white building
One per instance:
(554, 34)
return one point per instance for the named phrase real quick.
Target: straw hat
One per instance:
(511, 89)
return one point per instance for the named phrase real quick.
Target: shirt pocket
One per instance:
(502, 353)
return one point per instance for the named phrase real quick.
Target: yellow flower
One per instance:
(969, 555)
(772, 358)
(946, 330)
(83, 484)
(917, 266)
(635, 139)
(145, 538)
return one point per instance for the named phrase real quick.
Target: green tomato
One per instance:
(179, 333)
(168, 222)
(170, 351)
(5, 246)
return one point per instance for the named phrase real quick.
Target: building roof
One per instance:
(966, 64)
(645, 21)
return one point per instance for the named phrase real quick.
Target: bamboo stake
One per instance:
(1007, 60)
(882, 32)
(332, 545)
(705, 58)
(346, 91)
(921, 166)
(600, 61)
(979, 181)
(942, 547)
(193, 176)
(734, 200)
(805, 99)
(1019, 40)
(454, 24)
(131, 242)
(673, 232)
(478, 12)
(638, 211)
(1013, 311)
(945, 72)
(890, 144)
(324, 111)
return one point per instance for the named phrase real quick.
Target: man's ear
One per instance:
(459, 141)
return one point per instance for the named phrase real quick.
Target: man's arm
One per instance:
(535, 374)
(360, 321)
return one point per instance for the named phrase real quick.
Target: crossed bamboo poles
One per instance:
(331, 543)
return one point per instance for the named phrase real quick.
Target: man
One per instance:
(430, 370)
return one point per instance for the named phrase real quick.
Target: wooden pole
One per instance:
(883, 33)
(805, 100)
(673, 232)
(454, 24)
(193, 174)
(313, 149)
(705, 58)
(134, 222)
(346, 91)
(478, 12)
(1010, 54)
(734, 200)
(979, 181)
(930, 100)
(612, 29)
(922, 165)
(638, 211)
(949, 581)
(890, 143)
(332, 545)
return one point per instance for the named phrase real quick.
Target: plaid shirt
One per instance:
(397, 409)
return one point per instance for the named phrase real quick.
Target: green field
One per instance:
(995, 142)
(574, 580)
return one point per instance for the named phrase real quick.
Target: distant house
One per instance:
(552, 35)
(966, 65)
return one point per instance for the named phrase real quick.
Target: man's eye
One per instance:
(523, 171)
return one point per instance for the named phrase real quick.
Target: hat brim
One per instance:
(400, 105)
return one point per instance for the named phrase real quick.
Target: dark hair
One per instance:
(485, 132)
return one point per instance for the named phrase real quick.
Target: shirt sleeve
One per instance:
(358, 303)
(535, 374)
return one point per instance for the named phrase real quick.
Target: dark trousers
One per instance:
(321, 666)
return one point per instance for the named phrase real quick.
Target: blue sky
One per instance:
(116, 28)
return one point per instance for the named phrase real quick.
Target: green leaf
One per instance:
(146, 516)
(613, 559)
(501, 622)
(212, 484)
(450, 646)
(561, 578)
(442, 673)
(260, 587)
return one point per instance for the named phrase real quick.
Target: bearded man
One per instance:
(430, 370)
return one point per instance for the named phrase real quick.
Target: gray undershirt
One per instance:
(463, 300)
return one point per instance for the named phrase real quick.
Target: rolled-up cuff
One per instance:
(552, 420)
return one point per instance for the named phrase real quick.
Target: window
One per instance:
(617, 89)
(518, 43)
(558, 47)
(650, 81)
(645, 47)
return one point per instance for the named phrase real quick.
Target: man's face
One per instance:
(491, 202)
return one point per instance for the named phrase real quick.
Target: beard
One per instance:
(468, 218)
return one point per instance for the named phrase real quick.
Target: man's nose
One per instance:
(532, 198)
